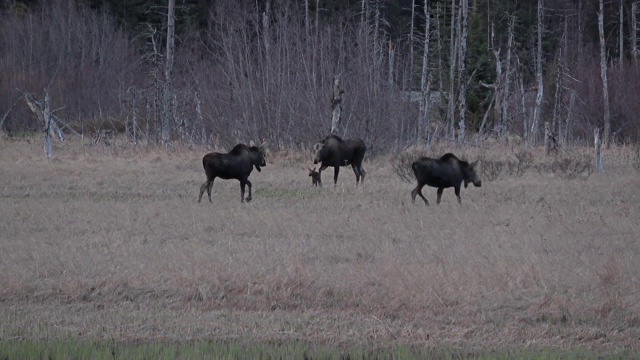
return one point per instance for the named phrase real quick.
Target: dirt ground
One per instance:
(110, 243)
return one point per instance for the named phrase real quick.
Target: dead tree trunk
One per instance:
(165, 133)
(603, 73)
(504, 112)
(557, 104)
(411, 42)
(440, 47)
(452, 73)
(568, 133)
(598, 145)
(48, 129)
(423, 117)
(336, 104)
(538, 108)
(462, 68)
(525, 117)
(43, 113)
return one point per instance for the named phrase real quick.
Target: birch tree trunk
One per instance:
(525, 117)
(462, 68)
(440, 47)
(48, 130)
(168, 76)
(423, 117)
(603, 73)
(598, 145)
(504, 112)
(568, 133)
(452, 73)
(336, 105)
(411, 42)
(538, 108)
(557, 102)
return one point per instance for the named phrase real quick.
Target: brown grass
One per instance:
(111, 243)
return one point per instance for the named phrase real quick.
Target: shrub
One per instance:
(572, 167)
(402, 164)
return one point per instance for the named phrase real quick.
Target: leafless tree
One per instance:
(425, 91)
(453, 56)
(603, 73)
(463, 23)
(634, 31)
(539, 69)
(168, 76)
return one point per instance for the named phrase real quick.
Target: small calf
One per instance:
(315, 176)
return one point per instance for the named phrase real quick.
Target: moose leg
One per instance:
(249, 185)
(242, 187)
(206, 186)
(440, 190)
(362, 173)
(357, 172)
(336, 171)
(457, 188)
(418, 191)
(202, 189)
(322, 167)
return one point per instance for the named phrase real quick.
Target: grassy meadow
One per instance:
(110, 245)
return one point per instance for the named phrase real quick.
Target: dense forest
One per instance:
(409, 71)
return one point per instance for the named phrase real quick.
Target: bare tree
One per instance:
(425, 93)
(168, 75)
(411, 41)
(634, 32)
(336, 104)
(463, 23)
(538, 107)
(556, 124)
(452, 60)
(603, 73)
(525, 117)
(621, 34)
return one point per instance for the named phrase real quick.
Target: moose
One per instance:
(333, 151)
(446, 172)
(236, 164)
(315, 176)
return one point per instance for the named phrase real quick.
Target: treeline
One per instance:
(461, 70)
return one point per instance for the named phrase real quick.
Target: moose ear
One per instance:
(473, 164)
(251, 143)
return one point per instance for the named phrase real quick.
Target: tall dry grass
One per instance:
(111, 243)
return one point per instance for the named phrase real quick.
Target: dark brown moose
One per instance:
(236, 164)
(333, 151)
(446, 172)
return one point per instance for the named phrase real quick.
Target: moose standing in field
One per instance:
(446, 172)
(333, 151)
(237, 164)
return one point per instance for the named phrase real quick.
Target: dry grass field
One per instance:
(110, 243)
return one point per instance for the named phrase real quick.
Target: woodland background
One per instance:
(264, 70)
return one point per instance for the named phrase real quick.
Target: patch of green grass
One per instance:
(271, 350)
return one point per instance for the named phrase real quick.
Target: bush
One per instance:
(572, 167)
(402, 164)
(491, 169)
